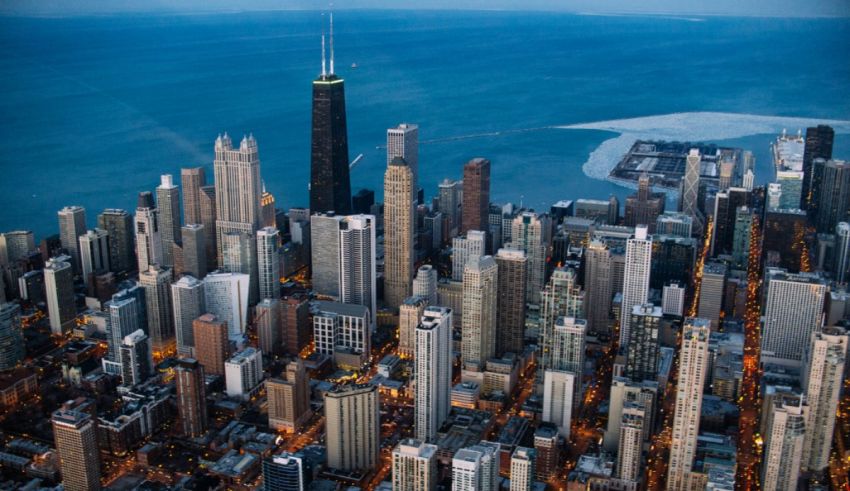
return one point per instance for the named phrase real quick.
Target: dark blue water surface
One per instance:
(94, 109)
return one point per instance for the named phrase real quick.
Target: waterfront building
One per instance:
(72, 224)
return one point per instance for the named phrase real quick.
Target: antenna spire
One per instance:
(332, 43)
(324, 72)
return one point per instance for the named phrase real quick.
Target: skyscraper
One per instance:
(136, 358)
(191, 397)
(480, 283)
(689, 204)
(243, 373)
(415, 466)
(818, 145)
(841, 261)
(119, 225)
(399, 228)
(268, 262)
(226, 297)
(833, 194)
(94, 252)
(192, 179)
(569, 338)
(631, 442)
(522, 469)
(623, 392)
(403, 141)
(148, 238)
(425, 284)
(693, 368)
(783, 442)
(471, 245)
(330, 185)
(189, 303)
(433, 372)
(635, 278)
(12, 348)
(642, 360)
(194, 247)
(598, 283)
(168, 204)
(644, 207)
(476, 468)
(712, 292)
(237, 186)
(212, 347)
(409, 315)
(529, 232)
(476, 195)
(352, 429)
(510, 309)
(792, 312)
(72, 224)
(726, 204)
(75, 436)
(283, 472)
(156, 283)
(267, 324)
(451, 197)
(558, 398)
(126, 312)
(15, 245)
(741, 236)
(208, 217)
(561, 298)
(289, 398)
(61, 302)
(823, 377)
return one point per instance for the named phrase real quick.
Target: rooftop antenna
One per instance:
(332, 43)
(324, 72)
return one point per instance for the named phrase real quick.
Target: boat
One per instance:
(354, 65)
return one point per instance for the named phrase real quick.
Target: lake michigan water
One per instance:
(94, 109)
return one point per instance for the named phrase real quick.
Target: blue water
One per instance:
(95, 109)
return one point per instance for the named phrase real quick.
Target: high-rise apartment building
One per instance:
(284, 472)
(148, 234)
(643, 350)
(156, 282)
(94, 252)
(289, 398)
(243, 373)
(476, 468)
(414, 466)
(469, 246)
(72, 224)
(635, 278)
(403, 141)
(833, 194)
(561, 298)
(425, 284)
(168, 204)
(75, 436)
(631, 442)
(226, 296)
(530, 233)
(399, 229)
(119, 225)
(12, 348)
(409, 315)
(693, 368)
(523, 473)
(823, 377)
(476, 195)
(598, 283)
(208, 217)
(191, 397)
(433, 372)
(343, 331)
(792, 312)
(711, 293)
(61, 301)
(267, 323)
(510, 304)
(126, 314)
(212, 346)
(548, 454)
(558, 399)
(15, 245)
(268, 262)
(819, 140)
(451, 201)
(623, 392)
(192, 179)
(480, 283)
(194, 248)
(352, 429)
(188, 302)
(783, 442)
(136, 359)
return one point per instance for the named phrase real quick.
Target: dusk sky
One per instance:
(777, 8)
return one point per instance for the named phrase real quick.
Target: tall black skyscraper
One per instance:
(330, 187)
(818, 146)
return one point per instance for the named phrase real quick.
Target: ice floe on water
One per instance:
(690, 126)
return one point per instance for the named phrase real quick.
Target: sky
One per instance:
(767, 8)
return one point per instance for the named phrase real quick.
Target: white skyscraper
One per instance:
(403, 141)
(126, 312)
(558, 396)
(693, 368)
(792, 312)
(268, 262)
(466, 248)
(480, 281)
(530, 233)
(226, 297)
(783, 442)
(94, 252)
(522, 469)
(237, 187)
(148, 239)
(631, 442)
(239, 255)
(624, 392)
(415, 466)
(568, 346)
(823, 377)
(59, 289)
(243, 373)
(476, 468)
(72, 224)
(673, 299)
(189, 302)
(168, 204)
(136, 358)
(635, 278)
(425, 284)
(432, 372)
